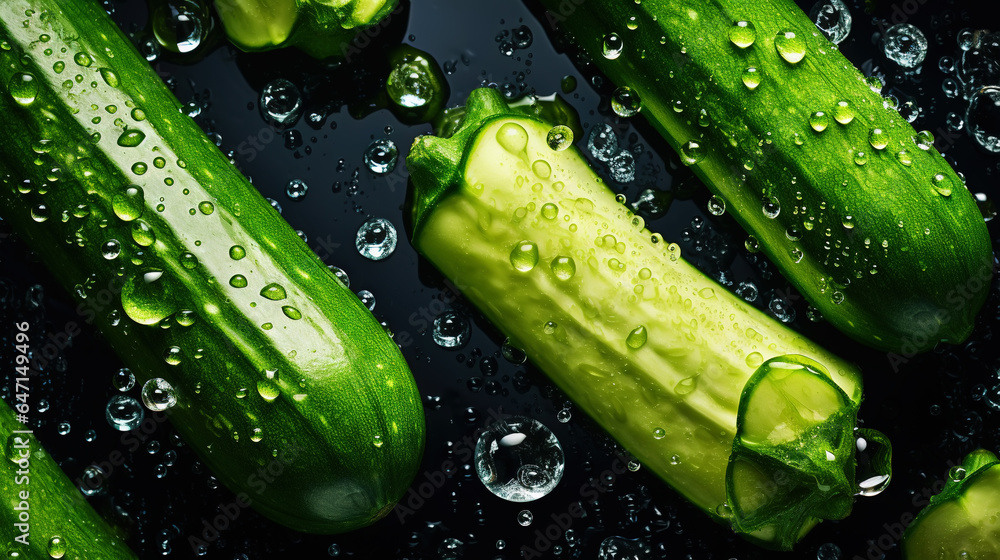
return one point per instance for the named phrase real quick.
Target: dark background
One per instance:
(935, 408)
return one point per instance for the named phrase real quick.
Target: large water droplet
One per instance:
(563, 268)
(636, 338)
(519, 459)
(376, 239)
(751, 77)
(692, 152)
(124, 413)
(878, 138)
(23, 88)
(148, 299)
(524, 256)
(158, 394)
(874, 469)
(612, 46)
(819, 121)
(512, 137)
(743, 34)
(131, 137)
(791, 46)
(625, 102)
(983, 117)
(123, 380)
(559, 137)
(833, 18)
(129, 204)
(602, 142)
(180, 26)
(296, 189)
(273, 292)
(843, 113)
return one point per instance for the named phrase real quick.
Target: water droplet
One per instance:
(131, 137)
(291, 312)
(636, 338)
(238, 281)
(615, 547)
(376, 239)
(983, 117)
(411, 81)
(843, 113)
(563, 268)
(381, 155)
(519, 459)
(451, 330)
(905, 44)
(943, 184)
(541, 169)
(296, 189)
(819, 121)
(267, 386)
(874, 467)
(692, 152)
(367, 299)
(559, 137)
(625, 102)
(124, 413)
(602, 142)
(751, 77)
(237, 252)
(742, 34)
(147, 299)
(273, 292)
(512, 137)
(524, 256)
(158, 394)
(770, 207)
(109, 77)
(860, 157)
(142, 233)
(612, 46)
(716, 205)
(23, 88)
(790, 46)
(878, 138)
(524, 518)
(280, 102)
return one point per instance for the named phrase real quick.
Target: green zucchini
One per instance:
(744, 417)
(193, 278)
(43, 514)
(860, 213)
(960, 523)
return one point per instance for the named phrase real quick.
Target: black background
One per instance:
(935, 408)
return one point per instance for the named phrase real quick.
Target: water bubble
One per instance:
(296, 189)
(451, 330)
(564, 415)
(751, 77)
(612, 46)
(519, 459)
(790, 46)
(782, 309)
(111, 249)
(181, 26)
(280, 102)
(833, 18)
(376, 239)
(123, 379)
(748, 291)
(742, 34)
(411, 82)
(625, 102)
(602, 142)
(622, 167)
(983, 117)
(524, 517)
(828, 551)
(874, 470)
(770, 207)
(559, 137)
(124, 413)
(158, 394)
(905, 44)
(563, 267)
(524, 256)
(381, 155)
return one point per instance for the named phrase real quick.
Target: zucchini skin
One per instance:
(961, 521)
(290, 368)
(876, 247)
(55, 507)
(477, 203)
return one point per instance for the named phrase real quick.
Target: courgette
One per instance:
(960, 523)
(43, 514)
(751, 422)
(321, 28)
(858, 211)
(200, 286)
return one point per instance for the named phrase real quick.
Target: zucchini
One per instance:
(194, 279)
(748, 420)
(321, 28)
(43, 514)
(860, 213)
(960, 522)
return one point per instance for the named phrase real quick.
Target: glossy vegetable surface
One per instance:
(272, 370)
(748, 420)
(857, 210)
